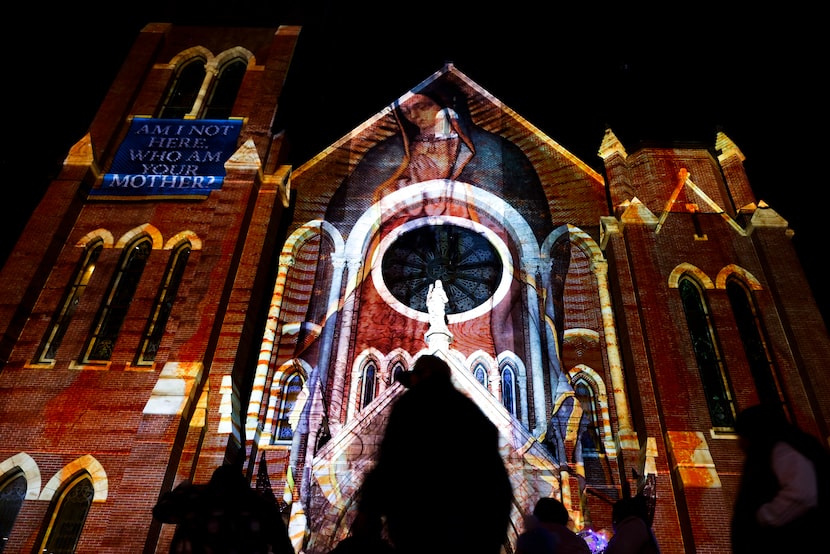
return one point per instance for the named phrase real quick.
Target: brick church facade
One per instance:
(185, 296)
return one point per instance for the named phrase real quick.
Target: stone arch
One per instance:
(145, 229)
(748, 278)
(30, 470)
(189, 236)
(87, 463)
(291, 246)
(396, 355)
(686, 268)
(216, 62)
(189, 54)
(102, 234)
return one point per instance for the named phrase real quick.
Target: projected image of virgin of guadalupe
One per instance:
(431, 136)
(435, 138)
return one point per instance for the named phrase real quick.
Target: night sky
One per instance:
(651, 74)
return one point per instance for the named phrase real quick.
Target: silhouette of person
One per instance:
(632, 533)
(365, 537)
(547, 531)
(776, 508)
(439, 479)
(224, 516)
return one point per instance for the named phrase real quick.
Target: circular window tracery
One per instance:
(465, 261)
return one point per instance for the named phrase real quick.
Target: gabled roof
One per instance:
(575, 192)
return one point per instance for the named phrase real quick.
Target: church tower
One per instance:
(130, 309)
(187, 296)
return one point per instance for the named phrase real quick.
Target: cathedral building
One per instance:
(186, 296)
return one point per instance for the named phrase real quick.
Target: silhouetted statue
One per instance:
(439, 480)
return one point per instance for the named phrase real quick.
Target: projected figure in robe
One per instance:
(437, 139)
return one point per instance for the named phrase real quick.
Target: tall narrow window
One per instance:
(68, 516)
(290, 393)
(184, 90)
(397, 369)
(12, 493)
(709, 363)
(60, 322)
(755, 346)
(589, 451)
(369, 383)
(589, 444)
(480, 373)
(164, 304)
(225, 89)
(122, 290)
(508, 388)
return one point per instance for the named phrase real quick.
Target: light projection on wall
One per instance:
(470, 260)
(444, 190)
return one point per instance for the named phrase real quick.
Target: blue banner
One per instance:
(171, 157)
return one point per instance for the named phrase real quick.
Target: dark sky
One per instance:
(650, 73)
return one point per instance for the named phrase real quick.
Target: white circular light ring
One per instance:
(496, 241)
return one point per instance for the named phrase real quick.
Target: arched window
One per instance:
(184, 90)
(589, 449)
(480, 373)
(164, 304)
(12, 493)
(60, 323)
(709, 362)
(397, 369)
(368, 383)
(225, 88)
(291, 389)
(123, 287)
(753, 338)
(67, 516)
(508, 388)
(589, 443)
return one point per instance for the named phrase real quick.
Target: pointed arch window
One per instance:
(480, 373)
(368, 383)
(121, 292)
(63, 317)
(709, 362)
(164, 304)
(68, 515)
(508, 388)
(184, 90)
(397, 369)
(755, 345)
(225, 89)
(12, 493)
(291, 390)
(589, 443)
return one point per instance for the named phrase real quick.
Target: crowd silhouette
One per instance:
(785, 477)
(223, 516)
(439, 482)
